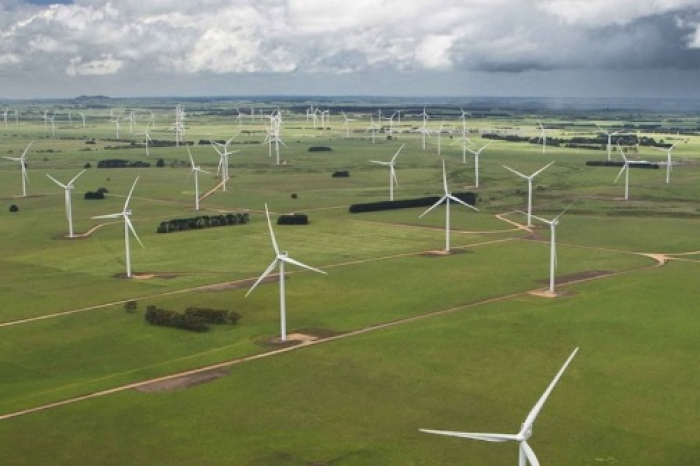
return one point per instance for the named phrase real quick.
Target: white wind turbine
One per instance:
(626, 169)
(125, 214)
(552, 246)
(346, 124)
(529, 188)
(526, 453)
(669, 162)
(223, 160)
(67, 188)
(446, 199)
(373, 128)
(23, 165)
(83, 117)
(424, 130)
(46, 121)
(392, 173)
(147, 139)
(281, 258)
(610, 135)
(196, 171)
(476, 154)
(439, 137)
(7, 109)
(543, 136)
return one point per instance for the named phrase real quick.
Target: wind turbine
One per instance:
(23, 164)
(125, 214)
(526, 452)
(7, 109)
(67, 188)
(610, 135)
(346, 124)
(147, 139)
(424, 129)
(476, 154)
(83, 116)
(625, 168)
(543, 137)
(281, 258)
(195, 170)
(223, 160)
(668, 161)
(392, 173)
(446, 199)
(373, 127)
(439, 137)
(553, 246)
(529, 188)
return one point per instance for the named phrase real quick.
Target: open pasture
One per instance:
(409, 338)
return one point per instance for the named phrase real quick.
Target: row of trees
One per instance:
(204, 221)
(193, 319)
(467, 197)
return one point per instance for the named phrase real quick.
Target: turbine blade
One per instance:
(25, 150)
(541, 170)
(622, 170)
(439, 201)
(444, 178)
(133, 231)
(191, 159)
(563, 211)
(527, 425)
(515, 171)
(57, 182)
(393, 175)
(458, 200)
(529, 454)
(272, 233)
(262, 277)
(474, 436)
(397, 152)
(70, 183)
(120, 214)
(128, 198)
(299, 264)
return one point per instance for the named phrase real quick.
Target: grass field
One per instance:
(409, 339)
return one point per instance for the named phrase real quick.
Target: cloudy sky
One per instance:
(551, 48)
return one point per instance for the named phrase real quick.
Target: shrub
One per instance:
(14, 208)
(90, 195)
(320, 149)
(341, 174)
(160, 163)
(193, 319)
(293, 219)
(87, 165)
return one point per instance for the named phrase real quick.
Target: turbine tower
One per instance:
(68, 189)
(281, 257)
(526, 453)
(476, 154)
(610, 135)
(195, 170)
(23, 165)
(392, 173)
(529, 188)
(552, 246)
(626, 169)
(669, 162)
(125, 214)
(543, 136)
(446, 199)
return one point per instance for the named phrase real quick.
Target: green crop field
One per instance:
(402, 335)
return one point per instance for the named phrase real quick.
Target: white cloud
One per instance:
(99, 67)
(181, 37)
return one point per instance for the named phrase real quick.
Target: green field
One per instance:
(407, 338)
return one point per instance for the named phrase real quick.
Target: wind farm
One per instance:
(346, 367)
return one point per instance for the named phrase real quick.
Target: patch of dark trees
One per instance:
(93, 195)
(14, 208)
(293, 219)
(320, 149)
(152, 143)
(204, 221)
(341, 174)
(613, 163)
(468, 197)
(121, 163)
(193, 318)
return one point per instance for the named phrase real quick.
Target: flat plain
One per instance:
(405, 337)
